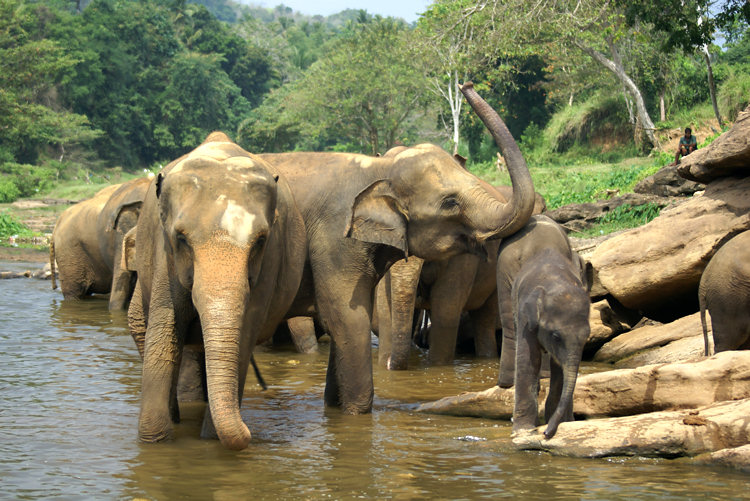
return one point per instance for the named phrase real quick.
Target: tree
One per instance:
(364, 92)
(689, 25)
(593, 27)
(30, 72)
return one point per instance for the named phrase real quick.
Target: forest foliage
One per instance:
(87, 86)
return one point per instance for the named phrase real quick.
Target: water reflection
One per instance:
(69, 391)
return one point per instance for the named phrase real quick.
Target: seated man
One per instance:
(688, 144)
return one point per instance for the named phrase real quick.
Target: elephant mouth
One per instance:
(474, 246)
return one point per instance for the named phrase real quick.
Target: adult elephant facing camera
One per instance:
(364, 213)
(225, 251)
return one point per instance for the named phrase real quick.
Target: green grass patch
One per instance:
(624, 217)
(581, 182)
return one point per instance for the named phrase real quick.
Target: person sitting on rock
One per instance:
(688, 144)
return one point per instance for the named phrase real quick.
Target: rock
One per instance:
(736, 457)
(605, 325)
(577, 217)
(14, 274)
(622, 392)
(657, 267)
(658, 434)
(728, 155)
(689, 349)
(650, 336)
(666, 182)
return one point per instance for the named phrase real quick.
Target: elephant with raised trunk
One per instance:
(87, 242)
(544, 302)
(364, 213)
(724, 292)
(447, 288)
(223, 257)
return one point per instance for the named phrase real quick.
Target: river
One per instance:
(69, 401)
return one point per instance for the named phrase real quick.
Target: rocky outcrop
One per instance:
(725, 376)
(648, 337)
(605, 325)
(658, 265)
(667, 182)
(657, 434)
(728, 155)
(577, 217)
(736, 457)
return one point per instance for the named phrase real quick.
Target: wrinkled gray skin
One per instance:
(364, 213)
(463, 283)
(223, 261)
(549, 304)
(87, 243)
(724, 292)
(540, 234)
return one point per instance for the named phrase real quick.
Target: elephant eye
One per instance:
(449, 202)
(556, 336)
(260, 242)
(181, 238)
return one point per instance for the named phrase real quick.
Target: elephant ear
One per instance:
(114, 219)
(460, 159)
(378, 217)
(127, 256)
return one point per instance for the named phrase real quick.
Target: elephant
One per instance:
(364, 213)
(87, 241)
(222, 263)
(724, 292)
(463, 283)
(541, 234)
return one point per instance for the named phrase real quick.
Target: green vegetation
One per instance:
(94, 92)
(623, 217)
(10, 226)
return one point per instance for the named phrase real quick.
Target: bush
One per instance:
(9, 192)
(734, 94)
(11, 226)
(23, 180)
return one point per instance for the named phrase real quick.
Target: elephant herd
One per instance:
(223, 245)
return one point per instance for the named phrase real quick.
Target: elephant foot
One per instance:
(154, 435)
(505, 380)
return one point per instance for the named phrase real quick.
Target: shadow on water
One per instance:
(69, 401)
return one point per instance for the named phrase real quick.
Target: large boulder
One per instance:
(605, 325)
(648, 337)
(728, 155)
(667, 182)
(724, 376)
(735, 457)
(657, 434)
(656, 268)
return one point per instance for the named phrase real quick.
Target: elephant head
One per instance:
(430, 206)
(216, 208)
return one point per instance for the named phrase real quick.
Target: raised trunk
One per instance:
(570, 374)
(221, 300)
(512, 216)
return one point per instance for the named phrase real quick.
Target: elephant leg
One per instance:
(161, 364)
(191, 384)
(137, 319)
(302, 330)
(528, 364)
(725, 330)
(401, 291)
(345, 310)
(485, 323)
(383, 309)
(508, 344)
(447, 301)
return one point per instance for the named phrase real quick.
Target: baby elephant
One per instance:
(725, 292)
(550, 307)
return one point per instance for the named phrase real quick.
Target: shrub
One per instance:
(9, 225)
(734, 94)
(9, 192)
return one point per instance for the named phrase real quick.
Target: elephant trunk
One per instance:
(220, 300)
(512, 216)
(570, 374)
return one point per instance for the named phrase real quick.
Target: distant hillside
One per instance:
(232, 11)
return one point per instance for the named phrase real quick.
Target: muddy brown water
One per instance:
(69, 390)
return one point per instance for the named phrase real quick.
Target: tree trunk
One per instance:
(712, 85)
(617, 68)
(662, 109)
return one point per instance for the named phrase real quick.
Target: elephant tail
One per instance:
(260, 379)
(704, 324)
(52, 261)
